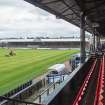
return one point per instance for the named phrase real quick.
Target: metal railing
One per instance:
(39, 97)
(15, 101)
(18, 89)
(47, 90)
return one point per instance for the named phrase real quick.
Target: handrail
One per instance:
(38, 96)
(47, 90)
(19, 101)
(83, 87)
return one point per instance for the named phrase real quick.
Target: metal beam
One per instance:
(98, 41)
(70, 8)
(52, 2)
(68, 14)
(96, 7)
(94, 40)
(93, 1)
(67, 9)
(18, 101)
(82, 37)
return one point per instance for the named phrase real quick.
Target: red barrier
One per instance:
(100, 85)
(83, 87)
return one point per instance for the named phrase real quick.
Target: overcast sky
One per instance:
(19, 18)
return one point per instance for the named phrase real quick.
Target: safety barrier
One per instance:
(15, 101)
(47, 90)
(84, 85)
(100, 84)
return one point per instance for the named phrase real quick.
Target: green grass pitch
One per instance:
(26, 65)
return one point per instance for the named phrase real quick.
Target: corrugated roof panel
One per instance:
(94, 11)
(58, 6)
(61, 8)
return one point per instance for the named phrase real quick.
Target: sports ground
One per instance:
(27, 64)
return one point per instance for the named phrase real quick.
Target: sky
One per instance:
(21, 19)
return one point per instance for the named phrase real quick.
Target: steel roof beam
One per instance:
(67, 8)
(70, 8)
(93, 1)
(96, 7)
(52, 2)
(68, 14)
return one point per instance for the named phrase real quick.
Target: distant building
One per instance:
(42, 43)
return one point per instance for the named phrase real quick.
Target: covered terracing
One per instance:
(86, 14)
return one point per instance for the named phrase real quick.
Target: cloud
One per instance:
(19, 16)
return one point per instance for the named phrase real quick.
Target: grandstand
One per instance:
(43, 43)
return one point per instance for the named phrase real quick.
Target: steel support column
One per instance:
(97, 40)
(94, 41)
(82, 37)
